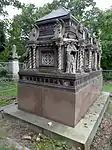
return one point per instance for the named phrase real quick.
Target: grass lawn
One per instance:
(107, 88)
(7, 90)
(4, 148)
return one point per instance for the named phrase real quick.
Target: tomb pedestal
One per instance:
(59, 97)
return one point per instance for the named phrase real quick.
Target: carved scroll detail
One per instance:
(59, 28)
(34, 34)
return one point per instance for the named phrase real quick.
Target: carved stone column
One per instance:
(30, 59)
(78, 61)
(95, 61)
(60, 62)
(99, 61)
(81, 51)
(68, 61)
(34, 56)
(86, 60)
(37, 58)
(74, 63)
(90, 60)
(82, 59)
(100, 53)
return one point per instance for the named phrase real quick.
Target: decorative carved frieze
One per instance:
(61, 81)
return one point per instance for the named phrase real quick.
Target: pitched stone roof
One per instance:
(55, 13)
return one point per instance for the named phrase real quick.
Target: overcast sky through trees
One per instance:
(102, 4)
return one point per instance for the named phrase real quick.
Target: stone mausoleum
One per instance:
(62, 77)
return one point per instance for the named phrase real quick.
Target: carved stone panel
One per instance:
(47, 59)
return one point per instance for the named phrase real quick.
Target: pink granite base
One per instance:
(64, 106)
(85, 98)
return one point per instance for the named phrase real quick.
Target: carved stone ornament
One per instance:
(71, 58)
(14, 53)
(81, 28)
(71, 47)
(59, 29)
(34, 34)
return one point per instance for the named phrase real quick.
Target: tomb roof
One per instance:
(61, 11)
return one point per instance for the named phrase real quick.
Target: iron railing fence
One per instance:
(5, 65)
(6, 69)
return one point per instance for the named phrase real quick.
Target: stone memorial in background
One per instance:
(13, 67)
(62, 77)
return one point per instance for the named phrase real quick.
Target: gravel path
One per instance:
(103, 138)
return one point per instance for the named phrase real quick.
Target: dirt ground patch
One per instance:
(102, 140)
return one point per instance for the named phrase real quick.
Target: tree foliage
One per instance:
(84, 10)
(3, 25)
(106, 39)
(4, 3)
(2, 37)
(21, 24)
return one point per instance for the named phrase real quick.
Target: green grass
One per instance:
(3, 148)
(7, 90)
(7, 85)
(107, 88)
(5, 102)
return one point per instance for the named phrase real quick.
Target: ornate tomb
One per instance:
(62, 77)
